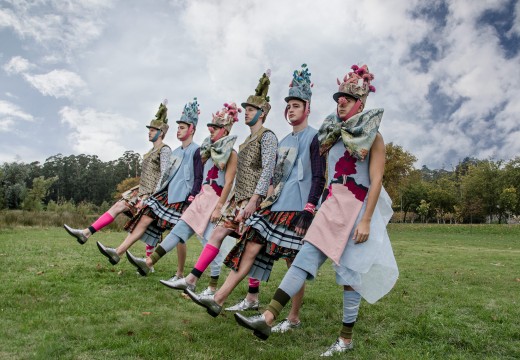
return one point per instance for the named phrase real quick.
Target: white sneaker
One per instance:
(285, 326)
(207, 292)
(244, 305)
(338, 347)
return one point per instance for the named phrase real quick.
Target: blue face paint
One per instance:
(255, 119)
(157, 134)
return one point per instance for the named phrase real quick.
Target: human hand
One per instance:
(362, 232)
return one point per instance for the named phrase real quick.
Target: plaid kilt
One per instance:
(165, 217)
(274, 231)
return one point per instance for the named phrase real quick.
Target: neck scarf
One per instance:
(219, 151)
(357, 133)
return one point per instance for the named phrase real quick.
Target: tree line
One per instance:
(473, 191)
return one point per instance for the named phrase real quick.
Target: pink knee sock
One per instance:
(149, 250)
(102, 221)
(254, 284)
(208, 254)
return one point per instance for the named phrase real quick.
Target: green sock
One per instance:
(280, 299)
(213, 281)
(157, 254)
(346, 331)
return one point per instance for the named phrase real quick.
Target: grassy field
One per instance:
(457, 298)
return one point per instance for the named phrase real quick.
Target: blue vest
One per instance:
(181, 178)
(209, 179)
(295, 192)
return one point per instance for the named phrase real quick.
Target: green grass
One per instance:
(457, 298)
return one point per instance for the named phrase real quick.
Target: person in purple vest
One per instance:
(255, 166)
(174, 194)
(220, 164)
(276, 230)
(154, 166)
(350, 226)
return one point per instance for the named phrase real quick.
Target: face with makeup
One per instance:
(295, 109)
(216, 132)
(345, 104)
(182, 130)
(152, 132)
(250, 113)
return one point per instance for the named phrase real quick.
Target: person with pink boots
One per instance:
(256, 161)
(220, 164)
(154, 166)
(182, 183)
(276, 230)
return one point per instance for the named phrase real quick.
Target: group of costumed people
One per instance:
(313, 196)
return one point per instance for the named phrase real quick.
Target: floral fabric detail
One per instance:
(211, 180)
(344, 167)
(219, 151)
(357, 133)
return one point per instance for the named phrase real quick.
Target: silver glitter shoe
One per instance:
(338, 347)
(285, 326)
(207, 292)
(256, 323)
(244, 305)
(178, 284)
(77, 233)
(110, 253)
(139, 263)
(206, 301)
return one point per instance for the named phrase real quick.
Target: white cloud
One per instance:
(57, 83)
(95, 132)
(10, 114)
(17, 65)
(62, 26)
(132, 56)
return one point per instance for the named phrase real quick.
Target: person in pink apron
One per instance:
(350, 226)
(220, 164)
(276, 230)
(154, 166)
(179, 186)
(255, 166)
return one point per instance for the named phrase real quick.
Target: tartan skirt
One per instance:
(274, 231)
(164, 215)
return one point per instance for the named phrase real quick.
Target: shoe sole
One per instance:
(74, 236)
(165, 283)
(139, 269)
(112, 261)
(250, 309)
(257, 333)
(208, 310)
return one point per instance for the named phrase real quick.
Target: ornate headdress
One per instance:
(300, 86)
(226, 117)
(190, 114)
(161, 120)
(356, 84)
(260, 100)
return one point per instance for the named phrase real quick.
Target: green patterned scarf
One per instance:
(358, 132)
(219, 150)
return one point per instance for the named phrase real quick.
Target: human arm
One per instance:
(269, 145)
(231, 169)
(376, 171)
(318, 164)
(198, 169)
(164, 165)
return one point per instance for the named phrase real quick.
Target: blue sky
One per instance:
(87, 76)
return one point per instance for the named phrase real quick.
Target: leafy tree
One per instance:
(398, 167)
(507, 202)
(34, 199)
(423, 210)
(125, 185)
